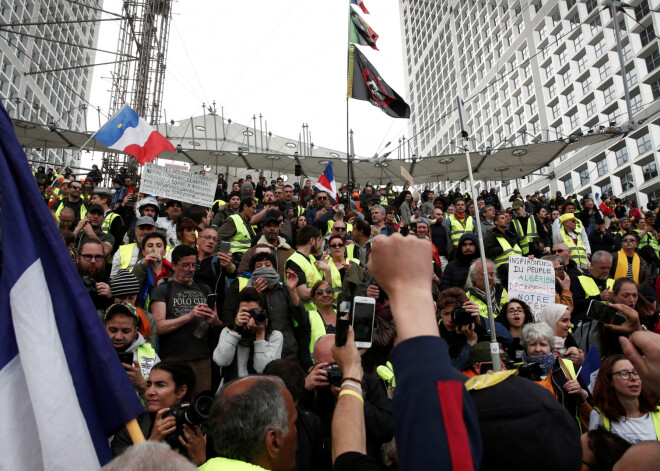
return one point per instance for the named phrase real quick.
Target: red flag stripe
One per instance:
(450, 394)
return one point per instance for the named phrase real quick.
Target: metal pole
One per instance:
(614, 6)
(494, 345)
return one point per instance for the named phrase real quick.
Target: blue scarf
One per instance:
(545, 361)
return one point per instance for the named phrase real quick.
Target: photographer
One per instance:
(251, 343)
(90, 263)
(461, 326)
(170, 384)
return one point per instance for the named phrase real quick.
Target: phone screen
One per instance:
(343, 322)
(363, 321)
(605, 313)
(225, 246)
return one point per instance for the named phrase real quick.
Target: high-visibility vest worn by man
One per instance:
(528, 235)
(573, 239)
(458, 227)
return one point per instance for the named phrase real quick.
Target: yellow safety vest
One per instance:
(483, 308)
(655, 416)
(526, 239)
(226, 464)
(218, 203)
(578, 251)
(126, 254)
(589, 285)
(61, 206)
(458, 229)
(336, 276)
(242, 240)
(508, 251)
(350, 250)
(317, 329)
(383, 200)
(312, 274)
(146, 357)
(107, 222)
(648, 239)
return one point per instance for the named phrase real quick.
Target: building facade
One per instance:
(540, 70)
(40, 75)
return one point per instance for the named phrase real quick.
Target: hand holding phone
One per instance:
(364, 313)
(605, 313)
(343, 322)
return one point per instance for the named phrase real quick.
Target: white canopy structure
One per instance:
(210, 140)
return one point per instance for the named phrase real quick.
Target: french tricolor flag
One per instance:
(327, 181)
(360, 3)
(62, 388)
(130, 133)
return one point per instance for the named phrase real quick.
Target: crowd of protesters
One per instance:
(229, 297)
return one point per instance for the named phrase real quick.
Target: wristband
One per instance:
(352, 384)
(348, 392)
(353, 379)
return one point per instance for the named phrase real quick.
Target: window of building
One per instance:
(606, 189)
(655, 89)
(552, 90)
(567, 78)
(595, 25)
(652, 61)
(649, 171)
(591, 107)
(556, 17)
(582, 63)
(574, 20)
(525, 53)
(584, 177)
(647, 35)
(591, 4)
(575, 120)
(604, 71)
(570, 3)
(632, 77)
(543, 33)
(636, 102)
(644, 143)
(601, 167)
(586, 86)
(578, 43)
(563, 55)
(530, 89)
(642, 10)
(538, 5)
(610, 93)
(568, 186)
(528, 70)
(570, 99)
(627, 182)
(600, 47)
(556, 111)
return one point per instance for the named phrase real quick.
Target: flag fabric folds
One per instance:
(365, 83)
(361, 32)
(360, 3)
(590, 368)
(62, 387)
(327, 181)
(130, 133)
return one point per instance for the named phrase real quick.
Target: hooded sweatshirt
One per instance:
(146, 364)
(456, 271)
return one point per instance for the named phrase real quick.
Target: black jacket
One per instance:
(456, 272)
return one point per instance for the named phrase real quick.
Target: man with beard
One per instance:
(112, 222)
(67, 218)
(74, 201)
(303, 262)
(90, 263)
(213, 268)
(174, 210)
(456, 272)
(91, 228)
(500, 244)
(459, 223)
(268, 204)
(270, 236)
(121, 323)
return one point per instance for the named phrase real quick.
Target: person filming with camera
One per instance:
(248, 346)
(169, 390)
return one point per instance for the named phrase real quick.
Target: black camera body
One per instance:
(90, 284)
(460, 316)
(532, 372)
(191, 414)
(334, 375)
(260, 317)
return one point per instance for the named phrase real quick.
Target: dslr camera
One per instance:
(460, 316)
(334, 375)
(260, 316)
(532, 372)
(191, 414)
(90, 284)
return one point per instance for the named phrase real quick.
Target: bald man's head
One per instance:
(323, 349)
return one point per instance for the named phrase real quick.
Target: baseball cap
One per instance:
(272, 215)
(121, 308)
(145, 221)
(95, 208)
(517, 204)
(103, 191)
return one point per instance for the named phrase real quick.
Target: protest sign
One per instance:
(177, 185)
(532, 281)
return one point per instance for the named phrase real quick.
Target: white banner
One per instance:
(177, 185)
(532, 281)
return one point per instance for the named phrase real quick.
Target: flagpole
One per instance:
(348, 128)
(135, 431)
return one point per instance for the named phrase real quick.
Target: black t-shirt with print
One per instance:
(180, 300)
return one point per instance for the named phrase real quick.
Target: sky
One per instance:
(284, 59)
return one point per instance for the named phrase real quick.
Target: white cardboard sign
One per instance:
(532, 281)
(177, 185)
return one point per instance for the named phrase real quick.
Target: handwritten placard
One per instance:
(532, 281)
(177, 185)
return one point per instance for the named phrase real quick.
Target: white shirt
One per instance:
(631, 430)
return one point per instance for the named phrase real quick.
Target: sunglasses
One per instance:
(322, 198)
(337, 246)
(630, 241)
(321, 292)
(340, 229)
(561, 251)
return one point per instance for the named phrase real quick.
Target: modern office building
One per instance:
(533, 71)
(40, 75)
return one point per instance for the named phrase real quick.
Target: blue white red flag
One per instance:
(62, 388)
(130, 133)
(360, 3)
(590, 367)
(327, 181)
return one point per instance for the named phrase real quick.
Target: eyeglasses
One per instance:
(515, 311)
(215, 239)
(339, 229)
(322, 198)
(88, 257)
(628, 241)
(337, 246)
(76, 187)
(321, 292)
(185, 266)
(625, 374)
(561, 251)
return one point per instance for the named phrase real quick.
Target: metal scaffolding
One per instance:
(144, 33)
